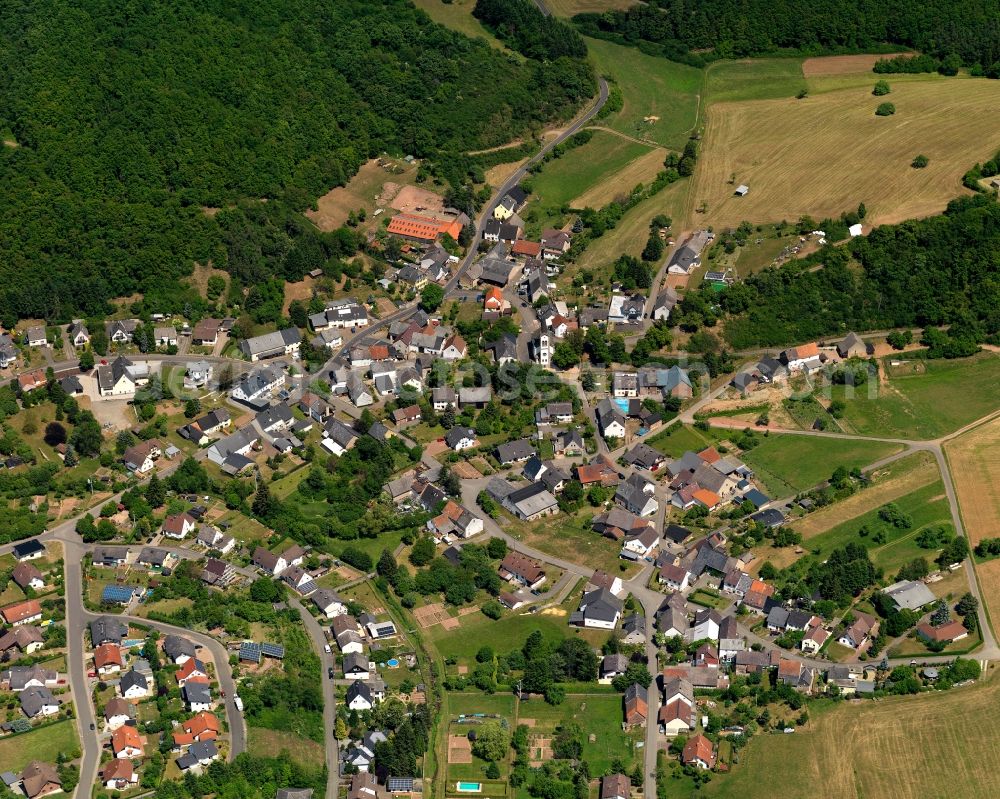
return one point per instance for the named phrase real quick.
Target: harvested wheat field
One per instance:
(823, 66)
(974, 458)
(988, 575)
(941, 745)
(902, 477)
(824, 154)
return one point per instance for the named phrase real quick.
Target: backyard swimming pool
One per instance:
(469, 787)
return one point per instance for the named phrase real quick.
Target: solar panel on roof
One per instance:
(273, 650)
(250, 651)
(117, 593)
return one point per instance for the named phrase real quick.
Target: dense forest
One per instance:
(938, 271)
(123, 121)
(521, 24)
(697, 30)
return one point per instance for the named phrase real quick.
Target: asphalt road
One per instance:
(327, 661)
(77, 619)
(367, 333)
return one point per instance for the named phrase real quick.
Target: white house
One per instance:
(599, 609)
(642, 544)
(329, 603)
(78, 334)
(179, 526)
(459, 438)
(133, 685)
(359, 696)
(258, 385)
(120, 377)
(142, 458)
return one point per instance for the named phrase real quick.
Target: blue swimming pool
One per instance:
(392, 663)
(622, 403)
(469, 787)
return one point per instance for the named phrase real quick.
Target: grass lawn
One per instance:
(926, 506)
(913, 646)
(373, 546)
(469, 703)
(651, 87)
(506, 634)
(705, 599)
(919, 400)
(570, 536)
(754, 79)
(44, 744)
(284, 486)
(248, 531)
(564, 179)
(268, 743)
(627, 238)
(599, 716)
(678, 439)
(511, 630)
(12, 593)
(457, 15)
(838, 652)
(789, 464)
(937, 744)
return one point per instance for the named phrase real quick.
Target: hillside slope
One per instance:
(131, 116)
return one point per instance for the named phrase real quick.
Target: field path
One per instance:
(618, 133)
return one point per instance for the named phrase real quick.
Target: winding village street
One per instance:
(651, 600)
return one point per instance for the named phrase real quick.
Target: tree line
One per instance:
(940, 271)
(699, 31)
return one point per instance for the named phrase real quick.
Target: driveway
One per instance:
(111, 413)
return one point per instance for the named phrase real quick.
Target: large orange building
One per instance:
(423, 228)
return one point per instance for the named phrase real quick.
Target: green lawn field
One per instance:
(600, 159)
(457, 15)
(597, 715)
(756, 79)
(506, 634)
(677, 439)
(44, 744)
(926, 506)
(788, 464)
(925, 399)
(651, 87)
(628, 237)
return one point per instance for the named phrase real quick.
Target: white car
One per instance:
(327, 649)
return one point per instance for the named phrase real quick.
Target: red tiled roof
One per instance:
(700, 748)
(710, 455)
(946, 632)
(20, 611)
(524, 247)
(125, 737)
(108, 655)
(423, 227)
(203, 726)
